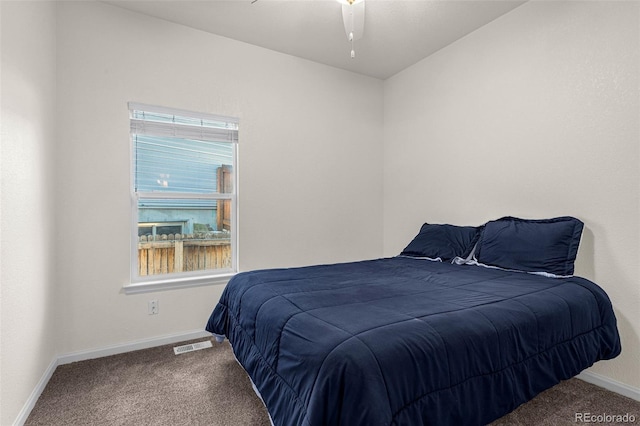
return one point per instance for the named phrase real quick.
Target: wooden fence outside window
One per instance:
(166, 254)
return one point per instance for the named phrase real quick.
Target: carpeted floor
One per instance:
(207, 387)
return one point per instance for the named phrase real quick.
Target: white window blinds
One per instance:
(179, 151)
(157, 121)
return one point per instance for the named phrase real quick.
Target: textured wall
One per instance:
(310, 165)
(28, 331)
(533, 115)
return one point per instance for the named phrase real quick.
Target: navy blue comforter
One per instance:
(404, 341)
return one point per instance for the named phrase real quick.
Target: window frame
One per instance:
(159, 282)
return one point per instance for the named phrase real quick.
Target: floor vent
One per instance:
(192, 347)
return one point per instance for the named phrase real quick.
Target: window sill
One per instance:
(176, 283)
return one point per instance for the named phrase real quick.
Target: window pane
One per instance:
(163, 164)
(144, 230)
(182, 235)
(169, 229)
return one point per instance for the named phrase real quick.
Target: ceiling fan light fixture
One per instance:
(353, 19)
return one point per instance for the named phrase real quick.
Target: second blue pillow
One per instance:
(544, 245)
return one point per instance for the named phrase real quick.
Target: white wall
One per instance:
(536, 115)
(310, 152)
(27, 101)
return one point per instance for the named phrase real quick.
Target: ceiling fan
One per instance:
(353, 19)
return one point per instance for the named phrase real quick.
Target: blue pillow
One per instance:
(443, 242)
(547, 245)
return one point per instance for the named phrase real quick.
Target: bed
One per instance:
(434, 336)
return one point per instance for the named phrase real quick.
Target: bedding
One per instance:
(405, 341)
(443, 242)
(548, 246)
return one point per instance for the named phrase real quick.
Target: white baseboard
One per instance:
(99, 353)
(31, 401)
(609, 384)
(131, 346)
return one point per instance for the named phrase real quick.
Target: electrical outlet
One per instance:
(153, 308)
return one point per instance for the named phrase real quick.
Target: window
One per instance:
(160, 228)
(183, 197)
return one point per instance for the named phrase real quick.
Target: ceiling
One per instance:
(396, 35)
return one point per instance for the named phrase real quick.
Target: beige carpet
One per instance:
(207, 387)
